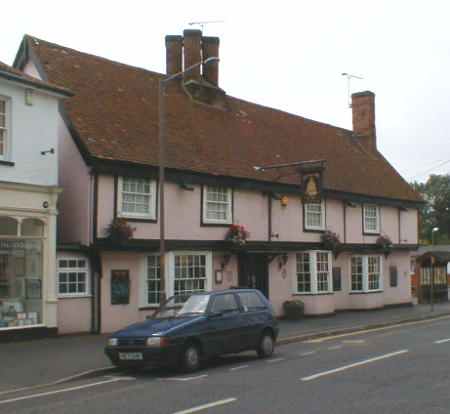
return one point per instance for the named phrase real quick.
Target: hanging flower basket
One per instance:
(237, 234)
(119, 230)
(331, 242)
(384, 243)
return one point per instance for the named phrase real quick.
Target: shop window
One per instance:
(9, 226)
(20, 283)
(32, 227)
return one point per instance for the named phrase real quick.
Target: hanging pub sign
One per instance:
(311, 181)
(120, 287)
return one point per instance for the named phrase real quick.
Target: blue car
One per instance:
(185, 331)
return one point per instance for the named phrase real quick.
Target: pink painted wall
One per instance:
(75, 203)
(115, 317)
(409, 226)
(74, 315)
(251, 210)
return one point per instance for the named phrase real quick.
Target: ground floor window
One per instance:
(366, 274)
(20, 282)
(73, 277)
(186, 273)
(314, 272)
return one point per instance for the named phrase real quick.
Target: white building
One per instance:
(28, 204)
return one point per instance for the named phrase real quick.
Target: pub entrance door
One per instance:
(254, 272)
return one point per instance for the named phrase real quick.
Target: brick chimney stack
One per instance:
(189, 49)
(192, 53)
(174, 54)
(363, 113)
(210, 47)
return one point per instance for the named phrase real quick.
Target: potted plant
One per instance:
(294, 309)
(331, 242)
(119, 230)
(384, 243)
(237, 234)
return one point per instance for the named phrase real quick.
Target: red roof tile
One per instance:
(15, 74)
(115, 112)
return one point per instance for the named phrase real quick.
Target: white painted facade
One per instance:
(28, 208)
(31, 129)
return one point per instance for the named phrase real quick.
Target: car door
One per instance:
(224, 323)
(254, 317)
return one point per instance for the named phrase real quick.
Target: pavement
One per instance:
(56, 360)
(403, 370)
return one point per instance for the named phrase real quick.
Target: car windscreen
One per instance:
(179, 306)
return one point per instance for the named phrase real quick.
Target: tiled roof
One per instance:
(15, 74)
(115, 112)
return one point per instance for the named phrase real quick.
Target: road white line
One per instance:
(185, 378)
(205, 406)
(238, 367)
(44, 394)
(333, 348)
(59, 381)
(356, 364)
(354, 341)
(270, 361)
(308, 353)
(441, 341)
(370, 330)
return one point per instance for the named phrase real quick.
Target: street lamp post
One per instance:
(434, 230)
(162, 161)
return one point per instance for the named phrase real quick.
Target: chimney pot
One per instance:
(363, 114)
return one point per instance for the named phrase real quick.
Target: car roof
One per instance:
(222, 291)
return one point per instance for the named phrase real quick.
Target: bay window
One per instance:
(366, 274)
(314, 273)
(186, 273)
(217, 205)
(136, 198)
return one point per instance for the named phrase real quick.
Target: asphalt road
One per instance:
(400, 370)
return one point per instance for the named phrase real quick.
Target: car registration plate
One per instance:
(130, 356)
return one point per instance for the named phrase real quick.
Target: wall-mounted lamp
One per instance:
(282, 260)
(225, 260)
(50, 151)
(284, 201)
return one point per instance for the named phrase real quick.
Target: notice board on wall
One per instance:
(120, 287)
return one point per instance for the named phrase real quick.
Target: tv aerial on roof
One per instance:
(202, 23)
(349, 77)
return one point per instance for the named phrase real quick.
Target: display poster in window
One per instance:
(120, 287)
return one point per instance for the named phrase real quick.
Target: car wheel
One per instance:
(266, 345)
(190, 358)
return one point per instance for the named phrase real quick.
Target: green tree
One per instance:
(436, 212)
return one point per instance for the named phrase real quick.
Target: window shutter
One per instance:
(337, 279)
(393, 276)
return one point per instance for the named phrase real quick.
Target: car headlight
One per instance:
(113, 342)
(156, 342)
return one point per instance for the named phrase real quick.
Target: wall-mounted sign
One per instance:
(120, 287)
(311, 181)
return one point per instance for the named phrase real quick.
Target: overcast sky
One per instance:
(285, 54)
